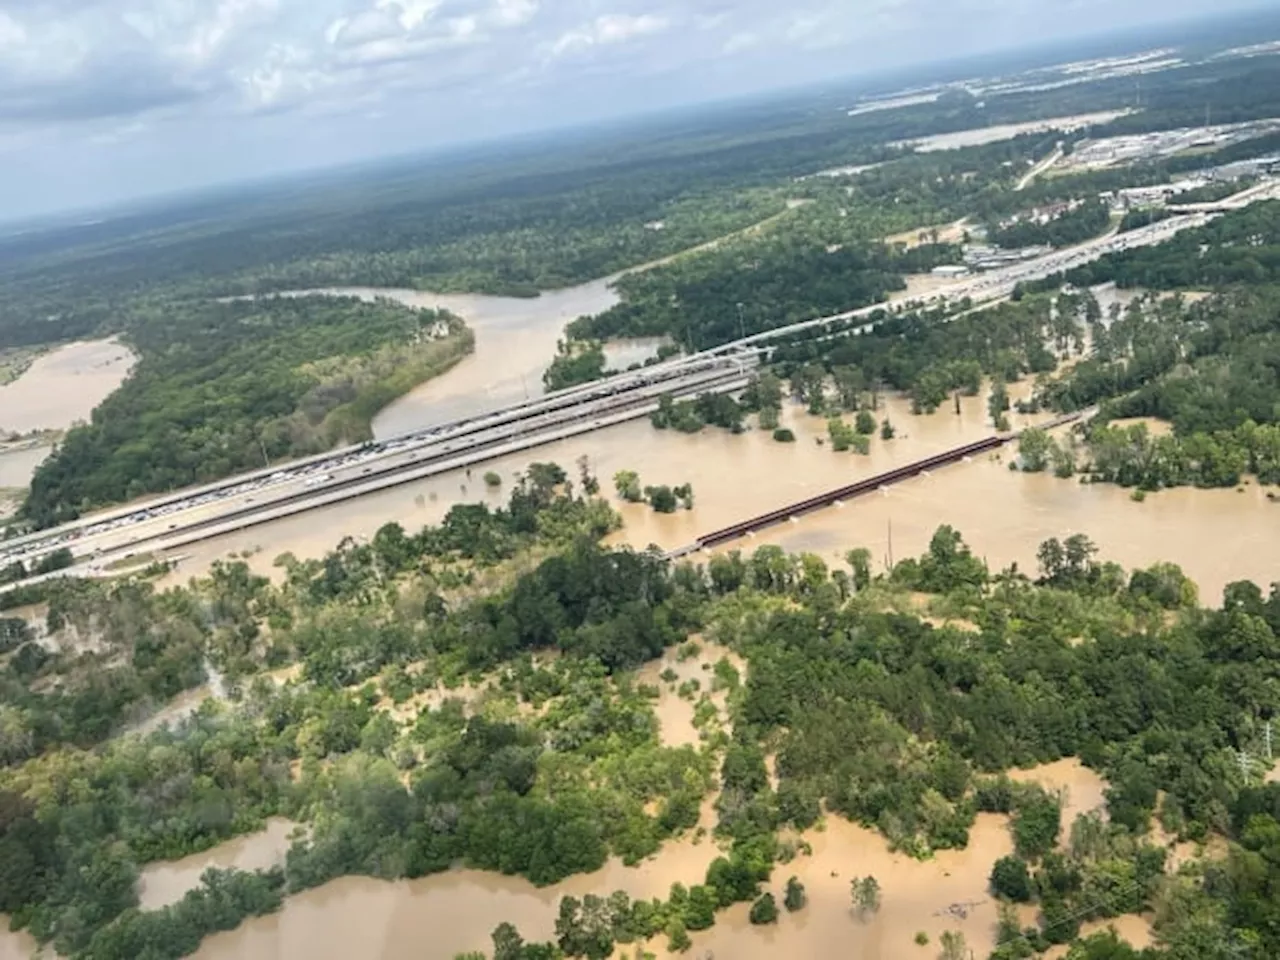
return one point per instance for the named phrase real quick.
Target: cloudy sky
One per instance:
(102, 100)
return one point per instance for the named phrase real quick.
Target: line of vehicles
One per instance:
(316, 473)
(1064, 260)
(997, 283)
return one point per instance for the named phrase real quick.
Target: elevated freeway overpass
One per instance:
(278, 490)
(104, 544)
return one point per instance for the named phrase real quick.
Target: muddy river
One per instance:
(64, 386)
(57, 390)
(515, 341)
(1217, 536)
(17, 466)
(168, 881)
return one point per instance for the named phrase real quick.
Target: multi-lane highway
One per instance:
(168, 522)
(176, 520)
(992, 285)
(369, 458)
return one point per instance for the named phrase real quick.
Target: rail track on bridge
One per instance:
(793, 511)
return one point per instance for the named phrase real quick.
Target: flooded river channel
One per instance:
(64, 386)
(515, 341)
(57, 390)
(1217, 536)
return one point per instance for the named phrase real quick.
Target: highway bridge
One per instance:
(1266, 190)
(279, 490)
(180, 520)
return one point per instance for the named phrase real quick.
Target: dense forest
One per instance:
(544, 766)
(930, 354)
(223, 387)
(825, 257)
(1211, 368)
(1239, 247)
(546, 215)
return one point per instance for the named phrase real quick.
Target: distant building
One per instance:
(950, 270)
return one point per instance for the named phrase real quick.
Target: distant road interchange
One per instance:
(168, 522)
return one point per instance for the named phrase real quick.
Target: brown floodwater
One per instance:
(16, 946)
(1082, 790)
(945, 893)
(449, 913)
(18, 466)
(63, 386)
(1134, 929)
(442, 915)
(515, 341)
(1217, 536)
(622, 354)
(168, 881)
(675, 713)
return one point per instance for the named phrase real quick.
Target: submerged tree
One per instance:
(795, 897)
(627, 483)
(865, 893)
(764, 910)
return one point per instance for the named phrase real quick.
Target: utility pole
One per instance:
(742, 326)
(1267, 738)
(266, 461)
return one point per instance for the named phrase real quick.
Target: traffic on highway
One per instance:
(314, 477)
(588, 408)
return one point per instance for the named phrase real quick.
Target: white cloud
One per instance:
(367, 26)
(229, 17)
(609, 29)
(12, 33)
(284, 76)
(463, 28)
(413, 13)
(803, 27)
(743, 40)
(512, 13)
